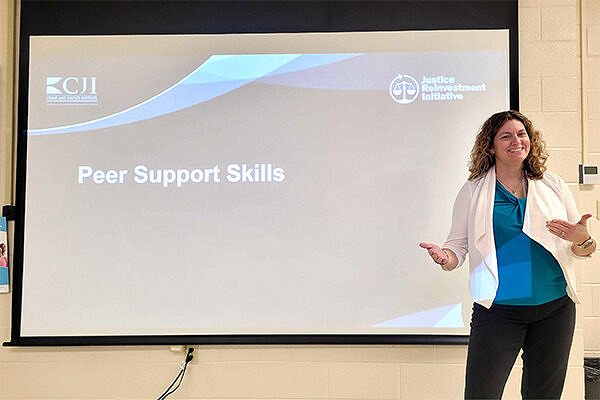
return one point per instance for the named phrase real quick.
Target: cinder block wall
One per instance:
(590, 197)
(560, 91)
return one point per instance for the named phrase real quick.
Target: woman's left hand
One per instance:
(576, 233)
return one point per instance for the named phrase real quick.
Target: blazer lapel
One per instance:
(543, 204)
(483, 221)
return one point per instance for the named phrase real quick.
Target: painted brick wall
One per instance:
(590, 196)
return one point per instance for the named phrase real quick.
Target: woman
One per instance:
(3, 259)
(521, 229)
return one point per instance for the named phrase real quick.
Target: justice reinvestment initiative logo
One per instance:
(71, 91)
(405, 89)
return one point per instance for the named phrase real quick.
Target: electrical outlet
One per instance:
(183, 349)
(196, 355)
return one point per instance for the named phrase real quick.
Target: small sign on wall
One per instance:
(3, 257)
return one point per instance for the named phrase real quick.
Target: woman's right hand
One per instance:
(438, 256)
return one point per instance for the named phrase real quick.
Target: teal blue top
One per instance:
(529, 275)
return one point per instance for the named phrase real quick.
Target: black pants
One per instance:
(544, 332)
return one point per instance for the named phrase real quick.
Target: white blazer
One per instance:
(472, 230)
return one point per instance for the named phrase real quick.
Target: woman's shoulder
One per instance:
(473, 183)
(476, 181)
(552, 178)
(553, 181)
(470, 186)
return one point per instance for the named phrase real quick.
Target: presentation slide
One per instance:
(250, 183)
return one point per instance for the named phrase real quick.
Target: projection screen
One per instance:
(250, 184)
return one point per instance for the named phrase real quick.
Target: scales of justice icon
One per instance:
(404, 89)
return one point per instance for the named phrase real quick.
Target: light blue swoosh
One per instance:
(218, 75)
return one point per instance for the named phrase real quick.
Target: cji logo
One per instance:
(70, 85)
(71, 90)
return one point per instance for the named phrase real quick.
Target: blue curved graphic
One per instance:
(218, 75)
(449, 316)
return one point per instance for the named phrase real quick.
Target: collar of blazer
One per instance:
(544, 202)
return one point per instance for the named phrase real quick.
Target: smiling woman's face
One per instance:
(511, 144)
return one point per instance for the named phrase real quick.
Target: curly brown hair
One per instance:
(482, 158)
